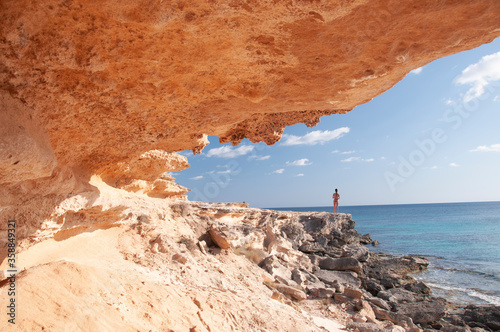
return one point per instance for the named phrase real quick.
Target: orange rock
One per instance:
(88, 87)
(219, 238)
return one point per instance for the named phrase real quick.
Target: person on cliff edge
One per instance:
(336, 198)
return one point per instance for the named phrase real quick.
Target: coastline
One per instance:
(226, 267)
(458, 239)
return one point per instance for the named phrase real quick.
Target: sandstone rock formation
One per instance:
(152, 272)
(97, 96)
(92, 87)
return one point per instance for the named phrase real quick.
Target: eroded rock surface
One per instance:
(205, 267)
(88, 87)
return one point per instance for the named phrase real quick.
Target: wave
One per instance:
(481, 274)
(473, 293)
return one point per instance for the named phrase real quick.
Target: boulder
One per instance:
(380, 303)
(343, 277)
(401, 295)
(311, 248)
(320, 292)
(424, 312)
(365, 239)
(418, 288)
(219, 238)
(373, 286)
(341, 264)
(378, 268)
(385, 295)
(356, 251)
(288, 291)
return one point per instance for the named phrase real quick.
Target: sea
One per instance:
(460, 240)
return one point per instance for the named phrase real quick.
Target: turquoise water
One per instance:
(461, 241)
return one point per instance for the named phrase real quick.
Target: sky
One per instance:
(433, 138)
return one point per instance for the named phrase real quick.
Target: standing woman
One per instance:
(336, 198)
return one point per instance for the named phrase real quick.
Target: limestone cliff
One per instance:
(113, 88)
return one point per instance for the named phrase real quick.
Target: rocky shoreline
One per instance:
(375, 290)
(193, 266)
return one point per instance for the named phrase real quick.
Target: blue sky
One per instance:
(434, 137)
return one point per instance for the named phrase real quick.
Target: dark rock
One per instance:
(375, 243)
(330, 277)
(365, 239)
(380, 303)
(391, 280)
(338, 287)
(478, 329)
(424, 312)
(311, 278)
(333, 252)
(294, 231)
(453, 328)
(357, 251)
(341, 264)
(298, 276)
(385, 295)
(372, 286)
(311, 248)
(376, 267)
(400, 295)
(488, 316)
(418, 288)
(315, 259)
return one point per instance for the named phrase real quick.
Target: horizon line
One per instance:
(356, 205)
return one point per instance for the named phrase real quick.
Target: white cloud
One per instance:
(315, 137)
(344, 152)
(417, 71)
(230, 152)
(480, 75)
(300, 174)
(299, 162)
(454, 165)
(485, 148)
(279, 171)
(431, 167)
(497, 98)
(227, 171)
(260, 157)
(351, 159)
(199, 177)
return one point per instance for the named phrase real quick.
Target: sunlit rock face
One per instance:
(92, 87)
